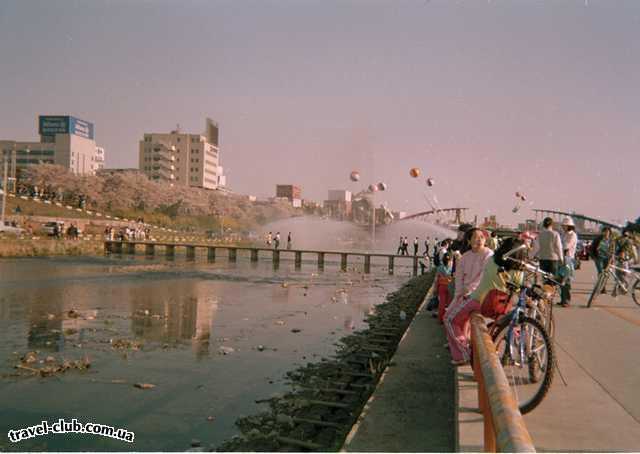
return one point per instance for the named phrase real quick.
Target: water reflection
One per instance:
(172, 315)
(45, 321)
(69, 308)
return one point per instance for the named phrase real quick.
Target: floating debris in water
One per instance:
(226, 350)
(126, 344)
(144, 385)
(73, 314)
(53, 366)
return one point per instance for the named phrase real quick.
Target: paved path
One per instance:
(599, 357)
(413, 408)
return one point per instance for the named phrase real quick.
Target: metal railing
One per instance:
(504, 427)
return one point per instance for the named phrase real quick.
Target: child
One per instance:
(443, 278)
(467, 277)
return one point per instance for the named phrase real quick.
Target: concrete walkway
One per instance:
(598, 353)
(413, 408)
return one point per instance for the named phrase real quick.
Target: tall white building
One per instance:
(98, 160)
(183, 158)
(64, 140)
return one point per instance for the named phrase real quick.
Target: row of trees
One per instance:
(131, 194)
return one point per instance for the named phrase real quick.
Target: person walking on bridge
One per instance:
(277, 241)
(492, 242)
(415, 247)
(569, 244)
(625, 254)
(400, 246)
(289, 241)
(548, 248)
(426, 247)
(600, 250)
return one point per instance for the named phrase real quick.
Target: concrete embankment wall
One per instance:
(328, 396)
(13, 247)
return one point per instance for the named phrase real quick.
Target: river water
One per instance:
(211, 337)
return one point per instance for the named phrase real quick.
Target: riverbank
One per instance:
(44, 247)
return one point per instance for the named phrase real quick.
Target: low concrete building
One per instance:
(288, 191)
(65, 140)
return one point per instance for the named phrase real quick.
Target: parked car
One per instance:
(49, 227)
(8, 228)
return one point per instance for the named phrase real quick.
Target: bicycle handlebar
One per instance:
(535, 269)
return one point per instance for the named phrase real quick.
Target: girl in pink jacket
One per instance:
(467, 277)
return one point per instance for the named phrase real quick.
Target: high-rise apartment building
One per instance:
(183, 158)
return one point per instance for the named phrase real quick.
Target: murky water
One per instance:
(184, 315)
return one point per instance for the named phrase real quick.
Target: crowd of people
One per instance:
(51, 195)
(473, 265)
(275, 240)
(137, 233)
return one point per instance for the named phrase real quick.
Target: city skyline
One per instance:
(486, 98)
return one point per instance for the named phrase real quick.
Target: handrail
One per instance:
(504, 427)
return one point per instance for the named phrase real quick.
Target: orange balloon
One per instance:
(414, 172)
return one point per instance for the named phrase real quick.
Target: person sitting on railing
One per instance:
(502, 269)
(497, 272)
(467, 277)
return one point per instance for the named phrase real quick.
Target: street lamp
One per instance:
(4, 190)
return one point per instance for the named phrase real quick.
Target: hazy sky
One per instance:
(486, 97)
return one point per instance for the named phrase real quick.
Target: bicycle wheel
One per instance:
(600, 282)
(528, 365)
(635, 292)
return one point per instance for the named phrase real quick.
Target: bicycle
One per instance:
(626, 280)
(540, 303)
(523, 342)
